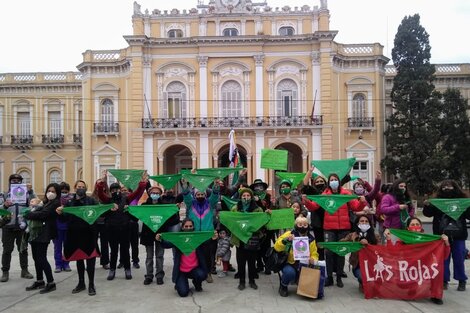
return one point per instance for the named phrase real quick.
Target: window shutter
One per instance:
(164, 106)
(295, 103)
(184, 106)
(279, 102)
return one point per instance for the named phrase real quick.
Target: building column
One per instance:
(316, 144)
(259, 84)
(202, 86)
(148, 153)
(260, 173)
(160, 169)
(316, 83)
(203, 149)
(249, 169)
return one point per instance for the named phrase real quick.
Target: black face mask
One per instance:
(81, 192)
(320, 187)
(301, 230)
(115, 194)
(200, 199)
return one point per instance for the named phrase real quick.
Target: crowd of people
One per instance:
(366, 219)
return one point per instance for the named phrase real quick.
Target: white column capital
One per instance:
(202, 60)
(259, 59)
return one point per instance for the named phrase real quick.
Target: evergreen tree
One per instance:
(412, 134)
(455, 136)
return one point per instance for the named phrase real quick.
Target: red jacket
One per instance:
(340, 219)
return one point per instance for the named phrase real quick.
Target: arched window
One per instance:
(26, 176)
(286, 31)
(230, 32)
(55, 177)
(359, 106)
(287, 98)
(231, 99)
(107, 115)
(175, 98)
(175, 33)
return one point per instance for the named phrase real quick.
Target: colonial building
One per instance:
(169, 100)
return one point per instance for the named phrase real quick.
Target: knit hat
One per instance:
(285, 181)
(241, 191)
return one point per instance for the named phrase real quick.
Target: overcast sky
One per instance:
(51, 35)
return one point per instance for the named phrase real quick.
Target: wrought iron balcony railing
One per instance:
(21, 140)
(77, 139)
(233, 122)
(53, 139)
(106, 127)
(361, 122)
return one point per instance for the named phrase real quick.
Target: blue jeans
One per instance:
(289, 274)
(58, 244)
(357, 274)
(182, 285)
(457, 252)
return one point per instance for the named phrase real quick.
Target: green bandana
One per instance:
(340, 167)
(274, 159)
(341, 248)
(129, 178)
(153, 215)
(410, 237)
(331, 203)
(229, 202)
(219, 172)
(294, 178)
(88, 213)
(187, 242)
(452, 207)
(243, 225)
(167, 181)
(200, 182)
(281, 219)
(4, 212)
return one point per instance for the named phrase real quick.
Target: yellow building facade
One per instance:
(169, 100)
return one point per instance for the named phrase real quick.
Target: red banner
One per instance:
(403, 271)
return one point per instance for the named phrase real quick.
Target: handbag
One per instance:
(274, 260)
(309, 282)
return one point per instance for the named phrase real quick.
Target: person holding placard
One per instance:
(291, 270)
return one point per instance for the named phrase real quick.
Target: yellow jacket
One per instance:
(279, 246)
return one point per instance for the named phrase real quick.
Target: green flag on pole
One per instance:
(274, 159)
(243, 225)
(294, 178)
(129, 178)
(88, 213)
(341, 248)
(154, 216)
(452, 207)
(229, 202)
(281, 219)
(219, 172)
(4, 212)
(187, 242)
(331, 203)
(340, 167)
(167, 181)
(411, 237)
(200, 182)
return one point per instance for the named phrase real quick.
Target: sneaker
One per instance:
(26, 274)
(329, 281)
(128, 274)
(58, 270)
(111, 274)
(5, 277)
(79, 287)
(437, 301)
(241, 286)
(283, 291)
(159, 281)
(209, 278)
(148, 281)
(135, 265)
(49, 287)
(120, 265)
(39, 284)
(339, 282)
(462, 285)
(67, 269)
(253, 285)
(222, 274)
(91, 290)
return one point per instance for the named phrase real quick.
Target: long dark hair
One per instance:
(339, 182)
(57, 192)
(370, 234)
(402, 198)
(457, 192)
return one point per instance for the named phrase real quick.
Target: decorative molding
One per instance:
(202, 61)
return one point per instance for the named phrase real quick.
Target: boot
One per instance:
(462, 285)
(91, 290)
(209, 278)
(5, 277)
(339, 282)
(49, 287)
(80, 287)
(283, 291)
(111, 274)
(329, 281)
(128, 274)
(36, 285)
(26, 274)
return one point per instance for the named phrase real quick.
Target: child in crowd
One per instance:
(223, 252)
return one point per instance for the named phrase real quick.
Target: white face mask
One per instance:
(364, 227)
(51, 195)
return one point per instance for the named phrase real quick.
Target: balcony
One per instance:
(106, 128)
(53, 141)
(77, 140)
(233, 122)
(361, 122)
(22, 142)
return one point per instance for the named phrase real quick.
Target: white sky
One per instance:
(51, 35)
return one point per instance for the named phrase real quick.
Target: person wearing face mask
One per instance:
(291, 270)
(396, 206)
(42, 228)
(192, 266)
(363, 232)
(153, 248)
(117, 221)
(201, 210)
(246, 254)
(81, 239)
(60, 264)
(336, 226)
(457, 233)
(286, 195)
